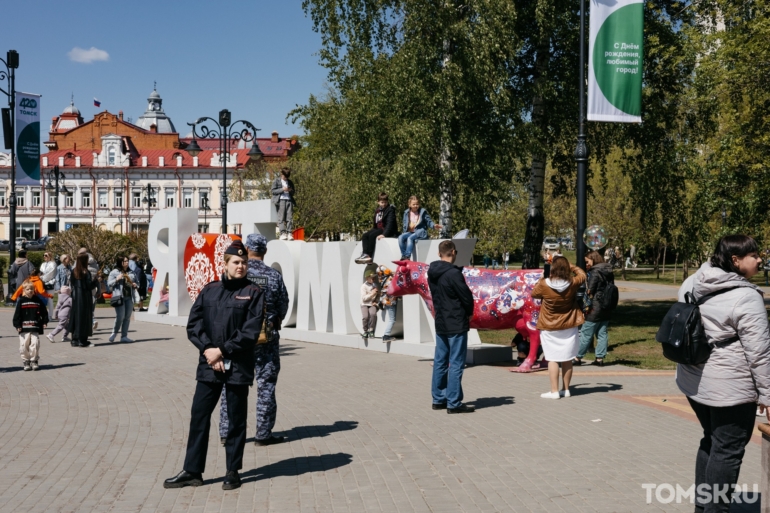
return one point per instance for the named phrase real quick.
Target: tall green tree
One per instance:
(420, 100)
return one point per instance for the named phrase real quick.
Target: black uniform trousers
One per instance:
(204, 401)
(369, 241)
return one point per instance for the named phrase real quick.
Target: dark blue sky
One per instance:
(256, 58)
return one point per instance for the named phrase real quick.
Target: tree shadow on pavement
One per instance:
(583, 389)
(42, 367)
(491, 402)
(318, 431)
(293, 467)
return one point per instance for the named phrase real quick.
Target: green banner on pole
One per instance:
(615, 56)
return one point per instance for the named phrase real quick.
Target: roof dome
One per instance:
(71, 109)
(154, 115)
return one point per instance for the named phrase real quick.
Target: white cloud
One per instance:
(93, 54)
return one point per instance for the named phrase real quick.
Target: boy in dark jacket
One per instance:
(29, 319)
(453, 308)
(384, 225)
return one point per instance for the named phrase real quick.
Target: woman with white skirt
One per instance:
(558, 322)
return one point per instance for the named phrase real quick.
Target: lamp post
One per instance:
(581, 150)
(205, 207)
(52, 187)
(120, 220)
(149, 201)
(224, 131)
(11, 63)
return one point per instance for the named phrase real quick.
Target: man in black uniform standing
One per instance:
(224, 325)
(267, 359)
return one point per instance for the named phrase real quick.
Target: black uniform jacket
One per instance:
(228, 315)
(452, 299)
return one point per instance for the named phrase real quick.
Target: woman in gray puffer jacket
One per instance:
(724, 391)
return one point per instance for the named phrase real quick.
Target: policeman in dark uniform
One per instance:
(223, 325)
(268, 361)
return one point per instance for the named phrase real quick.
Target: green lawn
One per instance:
(632, 336)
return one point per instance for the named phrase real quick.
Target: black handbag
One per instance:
(116, 301)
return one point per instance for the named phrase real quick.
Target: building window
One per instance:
(53, 199)
(187, 199)
(36, 198)
(136, 199)
(102, 199)
(69, 200)
(203, 195)
(118, 199)
(111, 157)
(203, 228)
(20, 200)
(2, 199)
(85, 199)
(170, 199)
(30, 231)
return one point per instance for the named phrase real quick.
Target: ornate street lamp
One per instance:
(224, 131)
(11, 63)
(149, 200)
(205, 207)
(53, 189)
(581, 150)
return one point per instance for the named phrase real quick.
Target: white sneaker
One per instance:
(126, 339)
(290, 237)
(551, 395)
(49, 337)
(112, 337)
(564, 393)
(283, 237)
(96, 324)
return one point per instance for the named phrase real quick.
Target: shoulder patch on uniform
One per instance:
(259, 280)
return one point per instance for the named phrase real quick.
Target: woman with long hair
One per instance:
(48, 276)
(724, 391)
(600, 275)
(560, 317)
(122, 281)
(81, 314)
(224, 326)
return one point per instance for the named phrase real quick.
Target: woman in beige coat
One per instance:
(558, 322)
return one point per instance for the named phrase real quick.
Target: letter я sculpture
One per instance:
(501, 299)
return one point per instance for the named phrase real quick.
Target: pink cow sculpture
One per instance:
(502, 299)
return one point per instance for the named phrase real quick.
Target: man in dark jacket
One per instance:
(600, 276)
(453, 308)
(384, 225)
(224, 325)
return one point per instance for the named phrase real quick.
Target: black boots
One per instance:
(232, 480)
(183, 479)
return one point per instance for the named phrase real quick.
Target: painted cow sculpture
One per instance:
(502, 299)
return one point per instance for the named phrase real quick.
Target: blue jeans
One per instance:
(587, 332)
(123, 317)
(448, 363)
(391, 311)
(406, 241)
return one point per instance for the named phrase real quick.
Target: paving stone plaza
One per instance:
(98, 429)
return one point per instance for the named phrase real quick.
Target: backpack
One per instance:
(681, 333)
(608, 299)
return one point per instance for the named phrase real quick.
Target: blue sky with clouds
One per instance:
(256, 58)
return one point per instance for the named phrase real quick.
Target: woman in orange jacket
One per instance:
(34, 277)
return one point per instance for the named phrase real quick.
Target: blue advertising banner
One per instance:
(27, 139)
